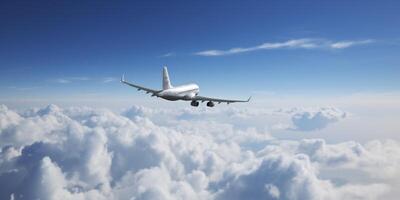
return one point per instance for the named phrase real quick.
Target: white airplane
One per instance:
(184, 92)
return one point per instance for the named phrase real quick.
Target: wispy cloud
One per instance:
(304, 43)
(346, 44)
(169, 54)
(66, 80)
(21, 88)
(109, 79)
(80, 78)
(62, 80)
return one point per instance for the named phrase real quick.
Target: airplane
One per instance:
(187, 92)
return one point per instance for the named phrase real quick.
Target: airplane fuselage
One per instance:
(187, 92)
(183, 92)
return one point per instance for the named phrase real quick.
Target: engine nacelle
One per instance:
(194, 103)
(210, 104)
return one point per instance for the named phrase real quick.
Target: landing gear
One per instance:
(194, 103)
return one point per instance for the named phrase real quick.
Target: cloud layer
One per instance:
(304, 43)
(85, 153)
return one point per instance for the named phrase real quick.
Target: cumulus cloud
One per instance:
(52, 184)
(315, 119)
(352, 155)
(85, 153)
(304, 43)
(291, 177)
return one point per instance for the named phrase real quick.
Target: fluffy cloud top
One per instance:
(85, 153)
(316, 119)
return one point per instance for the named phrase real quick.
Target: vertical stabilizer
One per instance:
(166, 81)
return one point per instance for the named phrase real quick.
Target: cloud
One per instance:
(62, 80)
(83, 78)
(20, 88)
(85, 153)
(272, 191)
(52, 184)
(109, 79)
(79, 78)
(71, 79)
(347, 44)
(169, 54)
(292, 177)
(352, 155)
(304, 43)
(310, 120)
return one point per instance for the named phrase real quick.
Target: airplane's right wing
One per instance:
(228, 101)
(148, 90)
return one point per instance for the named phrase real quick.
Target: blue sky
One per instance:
(54, 49)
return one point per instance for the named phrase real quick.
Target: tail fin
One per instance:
(166, 81)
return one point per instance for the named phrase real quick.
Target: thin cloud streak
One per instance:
(20, 88)
(169, 54)
(109, 79)
(66, 80)
(71, 79)
(346, 44)
(304, 43)
(80, 78)
(62, 80)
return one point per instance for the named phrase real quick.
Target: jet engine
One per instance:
(210, 104)
(194, 103)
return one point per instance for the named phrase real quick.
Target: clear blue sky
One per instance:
(52, 48)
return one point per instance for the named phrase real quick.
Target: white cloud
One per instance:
(22, 89)
(79, 78)
(84, 153)
(310, 120)
(65, 80)
(304, 43)
(347, 44)
(52, 184)
(292, 177)
(109, 79)
(353, 155)
(62, 80)
(8, 117)
(272, 190)
(169, 54)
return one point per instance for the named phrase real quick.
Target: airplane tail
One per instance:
(166, 81)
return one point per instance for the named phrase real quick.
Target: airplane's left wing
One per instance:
(228, 101)
(147, 90)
